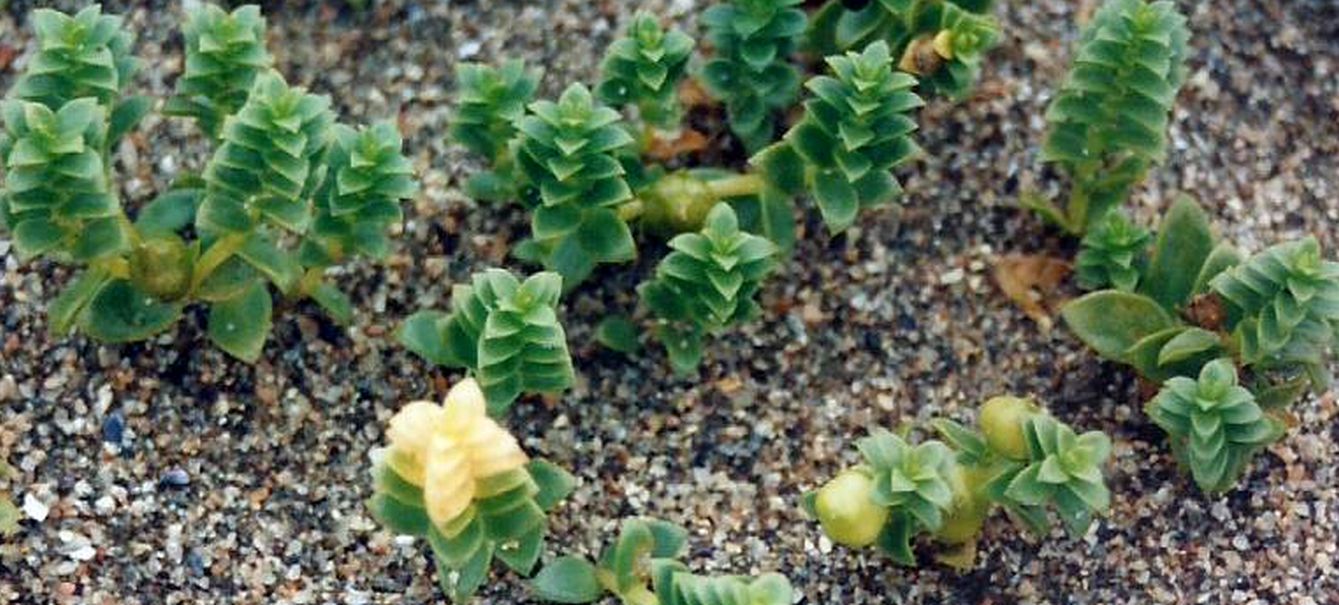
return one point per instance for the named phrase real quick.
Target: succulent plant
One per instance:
(942, 42)
(568, 152)
(1285, 305)
(640, 568)
(57, 197)
(492, 102)
(1143, 328)
(706, 285)
(225, 53)
(1112, 255)
(1021, 459)
(1214, 424)
(505, 331)
(750, 72)
(279, 153)
(1108, 122)
(854, 131)
(452, 475)
(1199, 303)
(1063, 470)
(644, 70)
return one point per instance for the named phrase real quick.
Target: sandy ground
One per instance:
(170, 473)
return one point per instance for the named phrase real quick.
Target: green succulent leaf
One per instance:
(506, 521)
(707, 284)
(368, 179)
(1112, 322)
(1063, 471)
(239, 325)
(644, 68)
(492, 101)
(568, 580)
(65, 310)
(618, 333)
(120, 312)
(170, 212)
(225, 54)
(749, 72)
(1185, 241)
(674, 585)
(334, 302)
(912, 479)
(268, 164)
(568, 152)
(56, 197)
(1215, 425)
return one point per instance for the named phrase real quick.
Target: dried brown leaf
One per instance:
(1031, 282)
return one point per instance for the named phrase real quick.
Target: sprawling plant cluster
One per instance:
(593, 179)
(1021, 459)
(940, 41)
(1194, 314)
(503, 331)
(454, 476)
(642, 568)
(287, 193)
(1109, 120)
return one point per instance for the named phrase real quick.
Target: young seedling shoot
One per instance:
(452, 475)
(942, 42)
(504, 331)
(287, 193)
(1193, 315)
(1108, 122)
(642, 568)
(1020, 459)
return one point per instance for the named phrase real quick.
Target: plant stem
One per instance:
(638, 595)
(308, 284)
(631, 210)
(736, 186)
(117, 267)
(215, 256)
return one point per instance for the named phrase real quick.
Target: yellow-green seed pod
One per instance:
(1002, 421)
(847, 512)
(970, 507)
(162, 266)
(677, 203)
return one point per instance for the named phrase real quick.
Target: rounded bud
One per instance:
(677, 203)
(1002, 421)
(847, 512)
(162, 266)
